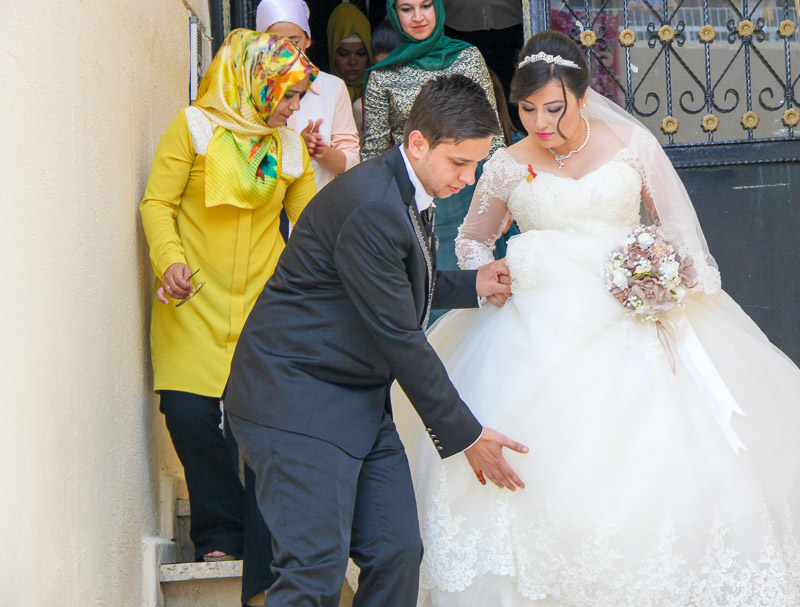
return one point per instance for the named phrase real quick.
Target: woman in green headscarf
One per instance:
(393, 84)
(223, 171)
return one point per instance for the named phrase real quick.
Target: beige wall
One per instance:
(87, 88)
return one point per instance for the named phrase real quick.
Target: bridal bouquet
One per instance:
(647, 275)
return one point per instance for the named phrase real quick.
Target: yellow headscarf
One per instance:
(247, 78)
(346, 20)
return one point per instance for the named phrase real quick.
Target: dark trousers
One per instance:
(215, 492)
(257, 575)
(322, 505)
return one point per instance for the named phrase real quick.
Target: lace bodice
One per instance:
(607, 199)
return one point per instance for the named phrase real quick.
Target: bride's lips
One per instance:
(544, 136)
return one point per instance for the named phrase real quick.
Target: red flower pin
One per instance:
(532, 175)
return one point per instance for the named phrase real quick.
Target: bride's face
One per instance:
(540, 114)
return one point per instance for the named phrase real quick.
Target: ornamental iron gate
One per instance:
(684, 67)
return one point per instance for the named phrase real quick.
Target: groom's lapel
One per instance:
(398, 167)
(424, 243)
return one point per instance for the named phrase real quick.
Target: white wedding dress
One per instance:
(634, 494)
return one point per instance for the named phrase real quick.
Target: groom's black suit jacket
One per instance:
(341, 318)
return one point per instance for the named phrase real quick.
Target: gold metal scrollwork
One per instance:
(786, 29)
(746, 28)
(791, 117)
(627, 37)
(670, 125)
(588, 38)
(666, 33)
(750, 120)
(710, 123)
(708, 33)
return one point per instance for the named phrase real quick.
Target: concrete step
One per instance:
(188, 584)
(182, 518)
(211, 585)
(201, 584)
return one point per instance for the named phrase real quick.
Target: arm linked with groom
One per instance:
(340, 320)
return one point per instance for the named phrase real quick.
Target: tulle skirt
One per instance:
(634, 495)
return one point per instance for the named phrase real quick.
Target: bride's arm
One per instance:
(483, 224)
(668, 203)
(648, 203)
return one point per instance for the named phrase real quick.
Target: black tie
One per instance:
(427, 222)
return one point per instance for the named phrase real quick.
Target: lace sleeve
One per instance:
(630, 157)
(482, 225)
(709, 280)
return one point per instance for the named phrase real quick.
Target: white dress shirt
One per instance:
(421, 197)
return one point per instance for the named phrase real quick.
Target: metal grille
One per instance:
(248, 9)
(195, 56)
(698, 71)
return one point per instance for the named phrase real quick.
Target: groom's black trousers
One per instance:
(322, 505)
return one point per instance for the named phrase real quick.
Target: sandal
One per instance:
(217, 556)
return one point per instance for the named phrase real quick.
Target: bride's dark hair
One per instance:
(533, 76)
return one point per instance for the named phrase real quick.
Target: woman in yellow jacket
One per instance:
(223, 171)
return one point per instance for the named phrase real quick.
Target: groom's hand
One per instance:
(486, 459)
(494, 282)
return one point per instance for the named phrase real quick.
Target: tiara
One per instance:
(542, 56)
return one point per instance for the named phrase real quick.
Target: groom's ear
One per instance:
(417, 145)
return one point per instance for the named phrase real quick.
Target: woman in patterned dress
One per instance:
(393, 84)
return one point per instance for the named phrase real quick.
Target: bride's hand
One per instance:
(486, 459)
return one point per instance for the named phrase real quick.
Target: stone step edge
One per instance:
(184, 572)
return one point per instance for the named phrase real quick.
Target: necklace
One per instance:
(560, 159)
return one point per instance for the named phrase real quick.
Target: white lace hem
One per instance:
(594, 574)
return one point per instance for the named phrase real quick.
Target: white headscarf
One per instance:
(270, 12)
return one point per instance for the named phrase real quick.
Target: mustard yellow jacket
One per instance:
(235, 249)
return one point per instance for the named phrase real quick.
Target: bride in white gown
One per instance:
(645, 487)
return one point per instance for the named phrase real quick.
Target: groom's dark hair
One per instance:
(452, 109)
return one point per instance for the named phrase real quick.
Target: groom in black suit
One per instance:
(340, 320)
